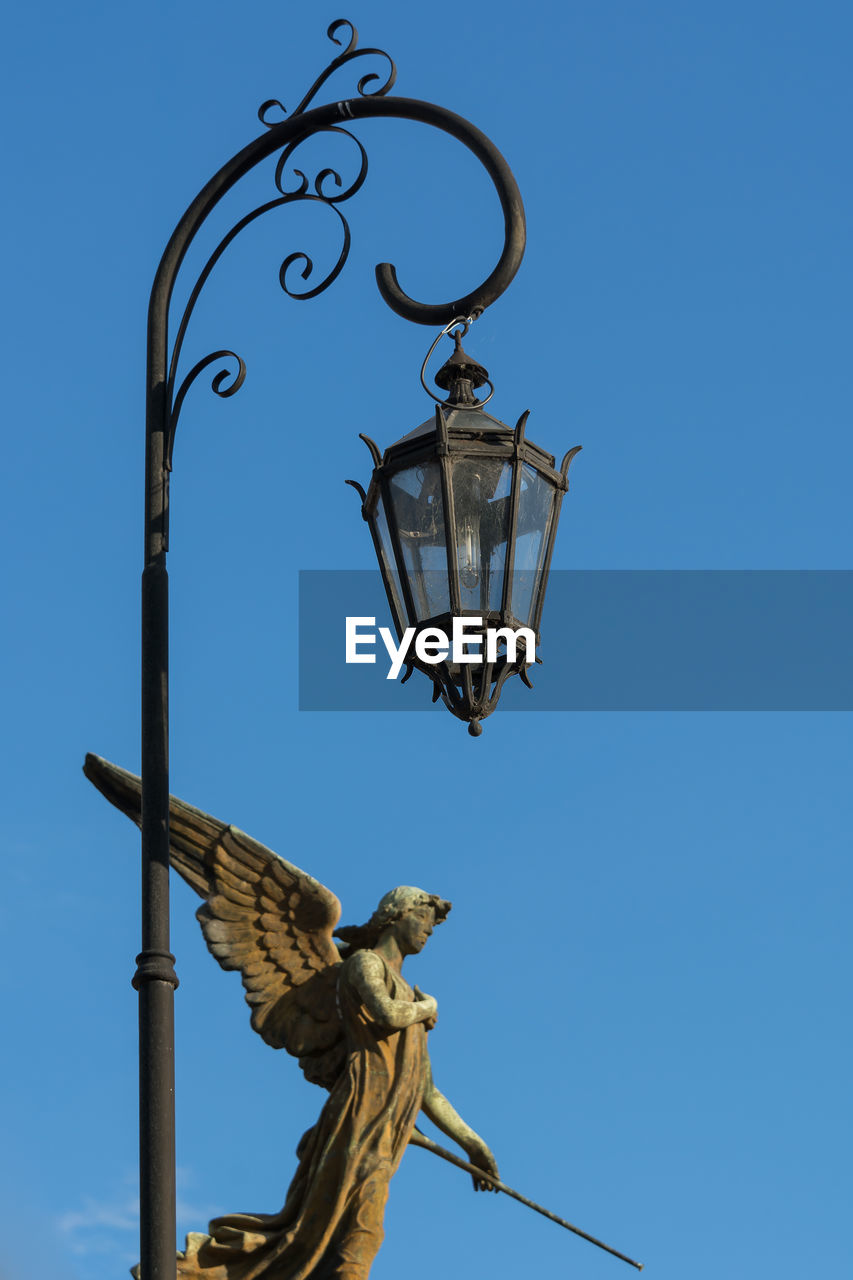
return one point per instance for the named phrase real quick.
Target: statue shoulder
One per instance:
(364, 966)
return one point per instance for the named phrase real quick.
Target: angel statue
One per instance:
(349, 1016)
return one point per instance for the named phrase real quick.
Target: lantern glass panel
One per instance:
(389, 564)
(481, 499)
(535, 515)
(418, 513)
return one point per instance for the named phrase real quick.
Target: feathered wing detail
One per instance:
(261, 916)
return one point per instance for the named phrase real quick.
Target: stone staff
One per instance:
(419, 1139)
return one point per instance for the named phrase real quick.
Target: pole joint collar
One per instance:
(155, 966)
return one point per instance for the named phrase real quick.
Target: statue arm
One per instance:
(446, 1118)
(367, 974)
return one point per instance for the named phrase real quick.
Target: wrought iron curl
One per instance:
(349, 54)
(302, 295)
(328, 188)
(320, 194)
(320, 180)
(219, 385)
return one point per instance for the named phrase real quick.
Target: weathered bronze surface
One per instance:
(349, 1016)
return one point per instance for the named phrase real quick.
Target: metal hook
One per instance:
(466, 322)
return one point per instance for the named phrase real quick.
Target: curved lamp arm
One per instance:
(164, 403)
(515, 235)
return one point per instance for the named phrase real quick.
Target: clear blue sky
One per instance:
(644, 983)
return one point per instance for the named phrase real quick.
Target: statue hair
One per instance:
(363, 937)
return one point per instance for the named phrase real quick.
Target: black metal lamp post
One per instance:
(463, 512)
(491, 486)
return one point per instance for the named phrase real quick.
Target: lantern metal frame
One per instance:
(462, 429)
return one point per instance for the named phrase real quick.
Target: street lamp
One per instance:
(500, 498)
(463, 512)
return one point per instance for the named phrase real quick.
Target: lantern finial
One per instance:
(460, 375)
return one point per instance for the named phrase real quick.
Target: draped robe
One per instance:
(331, 1223)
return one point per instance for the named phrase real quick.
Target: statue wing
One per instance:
(262, 916)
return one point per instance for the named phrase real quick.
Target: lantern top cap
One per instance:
(460, 375)
(462, 417)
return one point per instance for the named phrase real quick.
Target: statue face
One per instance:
(412, 930)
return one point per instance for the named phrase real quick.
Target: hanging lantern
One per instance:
(463, 512)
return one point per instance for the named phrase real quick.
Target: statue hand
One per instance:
(480, 1155)
(430, 1017)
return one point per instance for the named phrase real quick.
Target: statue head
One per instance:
(406, 899)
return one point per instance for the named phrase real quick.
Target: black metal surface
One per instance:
(463, 430)
(461, 374)
(155, 977)
(349, 54)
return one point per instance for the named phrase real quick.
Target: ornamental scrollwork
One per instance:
(266, 109)
(327, 187)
